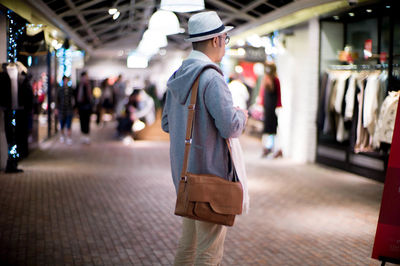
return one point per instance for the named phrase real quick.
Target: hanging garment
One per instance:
(341, 85)
(386, 120)
(16, 99)
(362, 139)
(15, 96)
(350, 98)
(384, 87)
(340, 91)
(12, 72)
(354, 122)
(330, 94)
(321, 102)
(370, 110)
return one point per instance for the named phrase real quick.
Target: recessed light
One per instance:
(351, 14)
(112, 11)
(336, 17)
(369, 10)
(387, 6)
(116, 15)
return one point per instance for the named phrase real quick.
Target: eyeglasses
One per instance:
(226, 40)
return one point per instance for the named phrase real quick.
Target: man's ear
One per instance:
(215, 41)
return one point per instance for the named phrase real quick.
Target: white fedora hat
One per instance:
(205, 25)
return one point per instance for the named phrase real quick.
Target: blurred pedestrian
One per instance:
(202, 243)
(270, 98)
(65, 104)
(151, 90)
(140, 110)
(84, 102)
(120, 95)
(240, 94)
(107, 99)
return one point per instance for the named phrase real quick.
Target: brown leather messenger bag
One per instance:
(206, 197)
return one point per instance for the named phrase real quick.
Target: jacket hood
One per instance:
(181, 81)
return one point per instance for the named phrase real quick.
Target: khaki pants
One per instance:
(201, 243)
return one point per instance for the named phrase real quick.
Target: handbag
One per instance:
(206, 197)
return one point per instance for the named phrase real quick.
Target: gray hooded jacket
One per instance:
(215, 120)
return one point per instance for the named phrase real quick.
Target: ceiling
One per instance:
(91, 27)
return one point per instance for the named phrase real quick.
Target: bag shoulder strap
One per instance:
(190, 120)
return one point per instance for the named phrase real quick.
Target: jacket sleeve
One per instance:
(164, 120)
(218, 100)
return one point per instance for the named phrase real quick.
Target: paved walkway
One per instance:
(111, 203)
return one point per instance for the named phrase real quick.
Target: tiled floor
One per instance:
(111, 203)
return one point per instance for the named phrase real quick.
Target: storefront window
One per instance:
(39, 80)
(349, 128)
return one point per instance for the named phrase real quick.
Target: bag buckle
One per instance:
(188, 141)
(191, 106)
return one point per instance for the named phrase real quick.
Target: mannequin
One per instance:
(16, 103)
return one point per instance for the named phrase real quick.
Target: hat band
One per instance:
(219, 29)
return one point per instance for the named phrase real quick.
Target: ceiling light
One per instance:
(156, 37)
(369, 10)
(116, 15)
(166, 22)
(336, 17)
(137, 61)
(351, 14)
(112, 11)
(182, 5)
(388, 6)
(147, 48)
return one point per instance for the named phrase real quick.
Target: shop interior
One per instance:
(358, 85)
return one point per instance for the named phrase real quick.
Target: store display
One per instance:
(359, 81)
(16, 102)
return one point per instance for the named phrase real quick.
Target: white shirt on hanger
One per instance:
(370, 111)
(12, 71)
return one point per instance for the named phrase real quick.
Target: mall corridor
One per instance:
(111, 203)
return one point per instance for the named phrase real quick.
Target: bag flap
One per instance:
(224, 197)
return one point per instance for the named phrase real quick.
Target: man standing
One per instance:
(215, 120)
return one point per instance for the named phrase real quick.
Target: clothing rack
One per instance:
(362, 67)
(372, 164)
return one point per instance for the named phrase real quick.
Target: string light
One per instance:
(13, 34)
(64, 57)
(13, 151)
